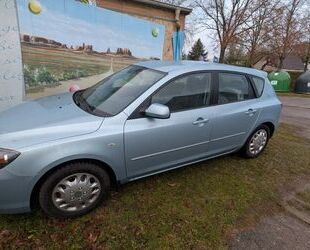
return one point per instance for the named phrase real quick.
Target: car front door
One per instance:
(237, 110)
(153, 145)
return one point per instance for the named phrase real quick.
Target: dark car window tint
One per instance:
(188, 92)
(259, 85)
(233, 88)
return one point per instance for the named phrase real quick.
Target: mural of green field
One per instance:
(52, 70)
(67, 42)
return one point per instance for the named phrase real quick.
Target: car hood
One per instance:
(46, 119)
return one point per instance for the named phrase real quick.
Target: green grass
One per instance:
(199, 206)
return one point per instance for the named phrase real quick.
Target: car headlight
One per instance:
(7, 156)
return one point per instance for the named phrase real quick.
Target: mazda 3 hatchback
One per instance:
(66, 151)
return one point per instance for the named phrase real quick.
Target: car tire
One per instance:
(257, 142)
(74, 190)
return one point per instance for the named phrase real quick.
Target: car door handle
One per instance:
(200, 120)
(251, 112)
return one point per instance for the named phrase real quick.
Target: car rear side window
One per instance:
(234, 88)
(187, 92)
(259, 85)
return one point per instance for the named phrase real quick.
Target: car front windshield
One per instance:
(111, 95)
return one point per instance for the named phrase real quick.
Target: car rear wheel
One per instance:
(74, 190)
(256, 142)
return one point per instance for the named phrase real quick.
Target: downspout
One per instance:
(178, 27)
(177, 18)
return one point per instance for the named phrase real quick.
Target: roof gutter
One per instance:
(158, 4)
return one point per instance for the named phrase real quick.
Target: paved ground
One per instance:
(280, 232)
(284, 231)
(296, 111)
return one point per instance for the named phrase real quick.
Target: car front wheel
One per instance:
(74, 190)
(256, 142)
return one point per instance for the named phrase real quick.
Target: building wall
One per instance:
(11, 77)
(162, 16)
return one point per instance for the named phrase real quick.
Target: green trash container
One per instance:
(280, 80)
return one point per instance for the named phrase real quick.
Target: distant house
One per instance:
(25, 38)
(37, 39)
(290, 63)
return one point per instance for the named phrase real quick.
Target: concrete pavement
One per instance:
(296, 111)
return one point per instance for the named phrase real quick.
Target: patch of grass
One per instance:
(59, 61)
(193, 207)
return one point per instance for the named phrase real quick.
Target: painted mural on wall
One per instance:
(67, 42)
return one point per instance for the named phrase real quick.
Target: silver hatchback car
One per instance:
(66, 151)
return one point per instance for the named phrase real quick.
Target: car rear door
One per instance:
(236, 110)
(153, 145)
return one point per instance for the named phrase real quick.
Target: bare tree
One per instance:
(258, 30)
(286, 30)
(303, 49)
(226, 18)
(236, 54)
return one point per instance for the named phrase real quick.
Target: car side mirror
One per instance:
(157, 110)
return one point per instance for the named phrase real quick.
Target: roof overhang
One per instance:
(158, 4)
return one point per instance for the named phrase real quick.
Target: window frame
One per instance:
(217, 80)
(254, 86)
(139, 111)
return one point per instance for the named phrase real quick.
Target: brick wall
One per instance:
(158, 15)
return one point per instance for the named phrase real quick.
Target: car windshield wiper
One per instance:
(83, 104)
(77, 97)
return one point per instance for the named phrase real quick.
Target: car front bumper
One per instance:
(14, 193)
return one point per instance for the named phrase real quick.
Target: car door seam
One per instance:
(168, 151)
(228, 136)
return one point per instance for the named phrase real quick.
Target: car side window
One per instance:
(187, 92)
(233, 88)
(259, 85)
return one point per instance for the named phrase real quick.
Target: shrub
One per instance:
(29, 77)
(74, 74)
(43, 76)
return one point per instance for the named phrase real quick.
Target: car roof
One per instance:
(188, 66)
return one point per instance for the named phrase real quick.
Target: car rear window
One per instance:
(259, 85)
